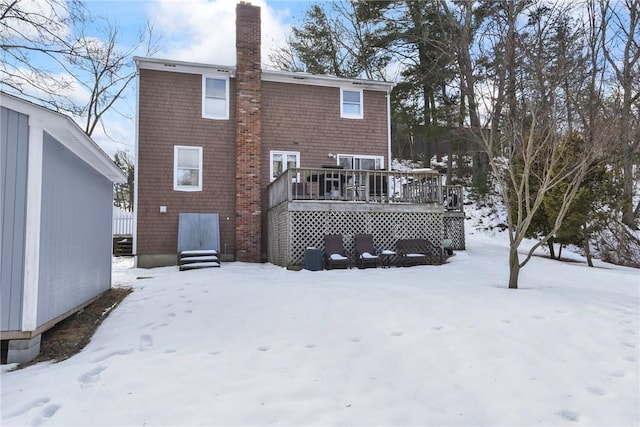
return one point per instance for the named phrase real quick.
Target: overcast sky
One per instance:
(192, 30)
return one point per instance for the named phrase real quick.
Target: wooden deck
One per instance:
(368, 186)
(390, 205)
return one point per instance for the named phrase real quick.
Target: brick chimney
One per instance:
(248, 133)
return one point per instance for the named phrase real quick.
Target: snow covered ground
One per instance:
(442, 345)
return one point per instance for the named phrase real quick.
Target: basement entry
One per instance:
(198, 240)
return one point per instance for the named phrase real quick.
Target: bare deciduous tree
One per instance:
(106, 71)
(48, 54)
(532, 129)
(36, 40)
(620, 21)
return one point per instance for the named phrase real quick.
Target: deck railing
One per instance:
(452, 197)
(373, 186)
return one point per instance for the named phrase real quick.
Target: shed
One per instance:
(56, 188)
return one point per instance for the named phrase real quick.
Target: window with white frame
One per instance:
(187, 168)
(215, 97)
(351, 103)
(355, 161)
(283, 160)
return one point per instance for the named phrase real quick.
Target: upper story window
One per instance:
(283, 160)
(215, 98)
(355, 161)
(187, 168)
(351, 104)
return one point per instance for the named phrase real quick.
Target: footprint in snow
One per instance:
(436, 328)
(264, 348)
(569, 415)
(597, 391)
(29, 406)
(617, 374)
(310, 345)
(91, 377)
(628, 344)
(355, 339)
(396, 333)
(48, 412)
(146, 342)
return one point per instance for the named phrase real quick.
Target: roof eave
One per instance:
(267, 75)
(66, 131)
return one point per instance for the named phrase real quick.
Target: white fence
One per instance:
(122, 222)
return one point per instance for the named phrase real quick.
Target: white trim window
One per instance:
(351, 103)
(187, 168)
(280, 161)
(215, 97)
(360, 162)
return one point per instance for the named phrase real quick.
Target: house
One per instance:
(57, 195)
(233, 140)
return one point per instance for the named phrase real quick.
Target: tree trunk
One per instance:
(560, 252)
(628, 216)
(514, 267)
(552, 250)
(587, 247)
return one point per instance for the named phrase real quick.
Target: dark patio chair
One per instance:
(334, 253)
(366, 254)
(418, 251)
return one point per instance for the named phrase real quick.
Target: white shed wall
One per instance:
(75, 233)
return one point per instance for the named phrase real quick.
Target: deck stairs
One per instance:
(199, 258)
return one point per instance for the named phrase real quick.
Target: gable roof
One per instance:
(68, 133)
(267, 75)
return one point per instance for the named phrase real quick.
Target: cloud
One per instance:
(193, 31)
(204, 31)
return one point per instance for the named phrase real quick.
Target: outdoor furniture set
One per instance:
(408, 252)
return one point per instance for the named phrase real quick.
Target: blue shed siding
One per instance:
(75, 234)
(14, 142)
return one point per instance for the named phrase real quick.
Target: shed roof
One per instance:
(68, 133)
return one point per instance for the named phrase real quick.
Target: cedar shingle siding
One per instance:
(270, 115)
(170, 113)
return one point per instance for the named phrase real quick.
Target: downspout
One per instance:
(389, 128)
(134, 246)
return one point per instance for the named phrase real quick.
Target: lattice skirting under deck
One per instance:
(454, 229)
(291, 231)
